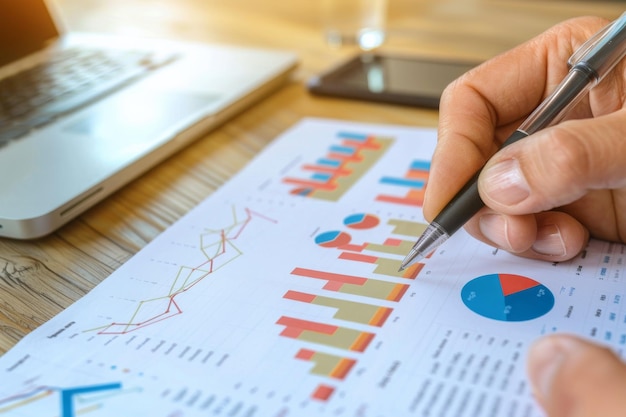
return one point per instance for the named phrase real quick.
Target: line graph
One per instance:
(218, 248)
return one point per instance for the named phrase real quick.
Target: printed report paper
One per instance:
(279, 295)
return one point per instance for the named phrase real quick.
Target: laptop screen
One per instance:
(25, 27)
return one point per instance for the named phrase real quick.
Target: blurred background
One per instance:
(472, 29)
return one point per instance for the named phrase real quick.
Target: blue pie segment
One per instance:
(507, 297)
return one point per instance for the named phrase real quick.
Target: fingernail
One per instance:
(494, 228)
(549, 241)
(505, 182)
(544, 360)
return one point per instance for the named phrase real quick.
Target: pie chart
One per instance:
(507, 297)
(361, 221)
(333, 239)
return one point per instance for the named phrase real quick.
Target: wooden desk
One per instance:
(39, 278)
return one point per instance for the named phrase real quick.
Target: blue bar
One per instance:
(353, 136)
(420, 165)
(329, 162)
(343, 149)
(403, 182)
(321, 177)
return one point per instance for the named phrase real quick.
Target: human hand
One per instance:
(547, 193)
(574, 378)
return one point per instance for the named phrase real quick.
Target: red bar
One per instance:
(299, 296)
(335, 281)
(393, 242)
(399, 200)
(353, 248)
(295, 327)
(323, 392)
(369, 143)
(312, 184)
(355, 157)
(305, 354)
(350, 256)
(319, 168)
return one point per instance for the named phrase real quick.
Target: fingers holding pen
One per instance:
(546, 194)
(576, 168)
(551, 236)
(557, 166)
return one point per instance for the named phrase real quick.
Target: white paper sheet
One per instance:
(279, 296)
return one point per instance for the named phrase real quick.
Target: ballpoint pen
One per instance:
(588, 66)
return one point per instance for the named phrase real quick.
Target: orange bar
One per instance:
(380, 316)
(416, 173)
(362, 342)
(342, 368)
(398, 292)
(413, 271)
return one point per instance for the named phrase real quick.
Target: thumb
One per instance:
(557, 166)
(574, 378)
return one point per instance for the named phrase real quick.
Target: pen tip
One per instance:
(431, 238)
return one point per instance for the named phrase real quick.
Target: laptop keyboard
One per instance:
(38, 95)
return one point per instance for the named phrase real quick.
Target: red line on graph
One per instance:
(189, 276)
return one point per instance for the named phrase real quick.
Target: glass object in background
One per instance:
(355, 22)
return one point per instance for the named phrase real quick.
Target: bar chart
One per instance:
(346, 160)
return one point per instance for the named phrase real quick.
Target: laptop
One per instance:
(83, 114)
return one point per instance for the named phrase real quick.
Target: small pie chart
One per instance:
(507, 297)
(361, 221)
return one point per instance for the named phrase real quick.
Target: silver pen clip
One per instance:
(580, 53)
